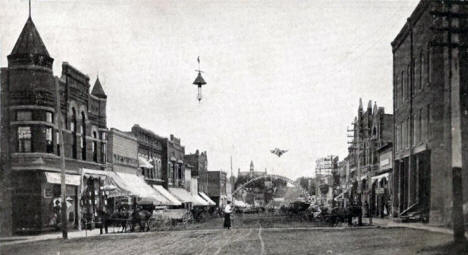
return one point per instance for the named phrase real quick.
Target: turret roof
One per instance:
(29, 41)
(98, 90)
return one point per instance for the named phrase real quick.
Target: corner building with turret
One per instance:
(30, 147)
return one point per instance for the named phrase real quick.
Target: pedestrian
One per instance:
(104, 220)
(227, 215)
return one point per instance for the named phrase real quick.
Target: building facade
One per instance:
(151, 148)
(30, 150)
(199, 163)
(422, 106)
(217, 187)
(372, 130)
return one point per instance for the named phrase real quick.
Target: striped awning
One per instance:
(207, 198)
(173, 200)
(134, 185)
(185, 196)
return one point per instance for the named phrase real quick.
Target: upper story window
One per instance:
(57, 137)
(83, 136)
(49, 117)
(73, 122)
(73, 129)
(422, 67)
(24, 139)
(94, 148)
(49, 141)
(23, 115)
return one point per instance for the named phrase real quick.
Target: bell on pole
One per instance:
(199, 81)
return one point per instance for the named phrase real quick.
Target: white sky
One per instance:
(284, 74)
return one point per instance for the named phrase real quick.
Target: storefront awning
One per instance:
(341, 195)
(239, 203)
(173, 200)
(201, 201)
(142, 162)
(94, 173)
(207, 198)
(185, 196)
(55, 178)
(380, 177)
(136, 186)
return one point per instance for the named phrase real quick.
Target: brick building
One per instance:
(199, 163)
(30, 160)
(167, 155)
(372, 129)
(217, 187)
(123, 152)
(150, 149)
(422, 108)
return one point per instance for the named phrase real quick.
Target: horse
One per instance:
(119, 218)
(142, 218)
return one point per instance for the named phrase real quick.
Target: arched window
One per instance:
(73, 129)
(83, 136)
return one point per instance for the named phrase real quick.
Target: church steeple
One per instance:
(30, 49)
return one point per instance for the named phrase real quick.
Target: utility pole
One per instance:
(63, 187)
(451, 45)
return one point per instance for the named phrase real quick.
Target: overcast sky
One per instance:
(284, 74)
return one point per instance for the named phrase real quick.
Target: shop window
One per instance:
(23, 115)
(24, 139)
(49, 141)
(49, 117)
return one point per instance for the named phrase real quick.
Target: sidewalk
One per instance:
(55, 235)
(389, 223)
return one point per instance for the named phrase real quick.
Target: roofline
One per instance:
(150, 132)
(123, 134)
(412, 19)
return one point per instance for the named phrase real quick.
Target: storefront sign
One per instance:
(384, 162)
(55, 178)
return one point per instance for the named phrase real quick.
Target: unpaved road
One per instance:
(254, 240)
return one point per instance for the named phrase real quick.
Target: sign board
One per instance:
(384, 162)
(69, 179)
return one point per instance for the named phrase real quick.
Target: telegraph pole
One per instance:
(455, 111)
(451, 45)
(63, 187)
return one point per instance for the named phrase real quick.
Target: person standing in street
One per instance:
(227, 215)
(104, 220)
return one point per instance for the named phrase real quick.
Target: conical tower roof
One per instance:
(199, 80)
(29, 48)
(98, 91)
(29, 41)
